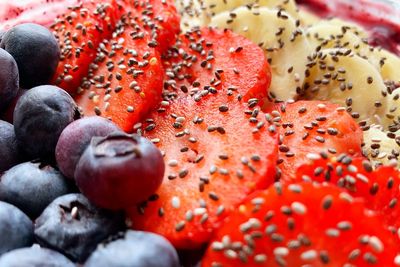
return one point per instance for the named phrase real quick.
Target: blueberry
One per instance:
(40, 116)
(9, 155)
(119, 170)
(76, 137)
(9, 79)
(135, 249)
(74, 227)
(36, 52)
(16, 229)
(32, 187)
(34, 257)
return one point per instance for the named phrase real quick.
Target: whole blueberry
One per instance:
(74, 227)
(34, 256)
(9, 155)
(32, 187)
(16, 229)
(36, 52)
(9, 79)
(76, 137)
(40, 116)
(135, 249)
(119, 170)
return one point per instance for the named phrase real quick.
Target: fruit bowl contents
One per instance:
(199, 133)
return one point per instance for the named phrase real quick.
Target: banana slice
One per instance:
(307, 18)
(354, 27)
(392, 117)
(200, 12)
(279, 35)
(380, 148)
(349, 80)
(325, 35)
(217, 6)
(389, 64)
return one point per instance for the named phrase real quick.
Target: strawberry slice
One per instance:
(126, 79)
(79, 33)
(380, 187)
(302, 225)
(159, 17)
(218, 149)
(210, 59)
(313, 127)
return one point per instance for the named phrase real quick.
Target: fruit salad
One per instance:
(199, 133)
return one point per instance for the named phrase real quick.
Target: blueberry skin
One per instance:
(16, 229)
(9, 79)
(76, 137)
(40, 116)
(36, 52)
(34, 256)
(9, 155)
(74, 227)
(135, 249)
(32, 187)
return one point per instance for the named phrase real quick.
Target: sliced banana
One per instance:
(285, 44)
(325, 35)
(354, 27)
(380, 148)
(200, 12)
(307, 18)
(392, 117)
(389, 64)
(349, 80)
(217, 6)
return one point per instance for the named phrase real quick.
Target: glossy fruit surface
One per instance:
(40, 116)
(135, 249)
(16, 229)
(9, 79)
(36, 51)
(119, 171)
(32, 186)
(34, 257)
(302, 225)
(9, 154)
(75, 138)
(74, 227)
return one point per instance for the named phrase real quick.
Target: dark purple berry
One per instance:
(76, 137)
(119, 170)
(34, 256)
(40, 116)
(74, 227)
(16, 229)
(135, 249)
(32, 187)
(36, 52)
(9, 79)
(8, 147)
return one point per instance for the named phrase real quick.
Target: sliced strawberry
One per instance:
(380, 188)
(127, 78)
(313, 127)
(218, 149)
(159, 17)
(214, 160)
(302, 225)
(210, 59)
(79, 33)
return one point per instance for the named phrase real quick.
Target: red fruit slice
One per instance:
(302, 225)
(126, 81)
(213, 161)
(159, 17)
(380, 188)
(314, 127)
(79, 33)
(218, 149)
(210, 59)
